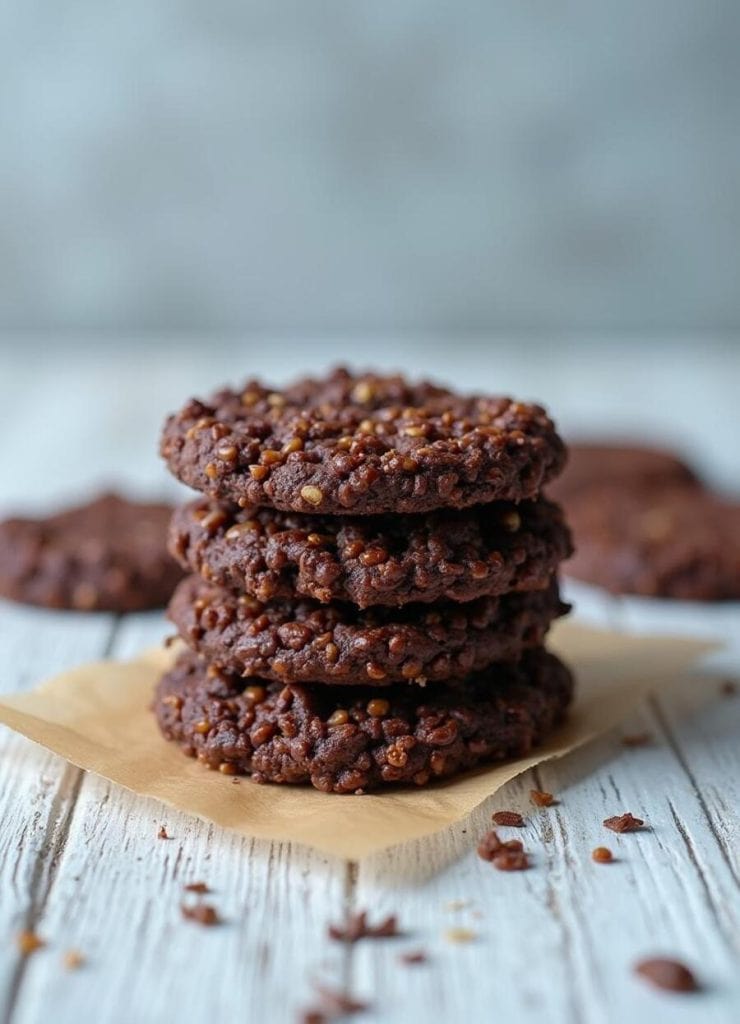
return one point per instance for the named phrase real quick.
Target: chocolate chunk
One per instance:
(667, 974)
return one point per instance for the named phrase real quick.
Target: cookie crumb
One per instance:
(491, 846)
(624, 823)
(73, 959)
(413, 957)
(201, 913)
(356, 927)
(511, 860)
(510, 818)
(163, 834)
(460, 935)
(29, 942)
(199, 887)
(541, 798)
(602, 855)
(667, 974)
(728, 688)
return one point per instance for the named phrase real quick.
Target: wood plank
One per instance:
(80, 858)
(116, 897)
(38, 790)
(566, 951)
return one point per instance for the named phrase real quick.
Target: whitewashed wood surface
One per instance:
(80, 862)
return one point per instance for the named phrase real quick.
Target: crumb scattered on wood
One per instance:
(668, 974)
(29, 942)
(356, 927)
(624, 823)
(510, 818)
(505, 855)
(541, 798)
(413, 957)
(201, 913)
(602, 855)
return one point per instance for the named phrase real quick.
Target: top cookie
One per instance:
(361, 444)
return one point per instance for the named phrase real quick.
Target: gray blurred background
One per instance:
(286, 165)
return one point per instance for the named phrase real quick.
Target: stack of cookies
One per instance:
(373, 573)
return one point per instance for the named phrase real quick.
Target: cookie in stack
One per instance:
(372, 577)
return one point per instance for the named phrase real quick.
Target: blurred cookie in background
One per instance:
(644, 523)
(658, 540)
(107, 555)
(629, 465)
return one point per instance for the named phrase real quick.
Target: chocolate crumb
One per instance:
(199, 887)
(29, 942)
(201, 913)
(728, 688)
(73, 959)
(356, 927)
(511, 860)
(414, 956)
(624, 823)
(667, 974)
(638, 739)
(512, 818)
(162, 834)
(491, 846)
(602, 855)
(541, 798)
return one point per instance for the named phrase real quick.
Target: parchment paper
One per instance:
(97, 716)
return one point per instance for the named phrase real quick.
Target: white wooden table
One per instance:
(80, 862)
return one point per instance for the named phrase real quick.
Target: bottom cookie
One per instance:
(353, 739)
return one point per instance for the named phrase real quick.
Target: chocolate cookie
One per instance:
(662, 541)
(629, 466)
(361, 444)
(351, 740)
(108, 555)
(302, 641)
(368, 560)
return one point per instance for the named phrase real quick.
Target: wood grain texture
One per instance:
(81, 863)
